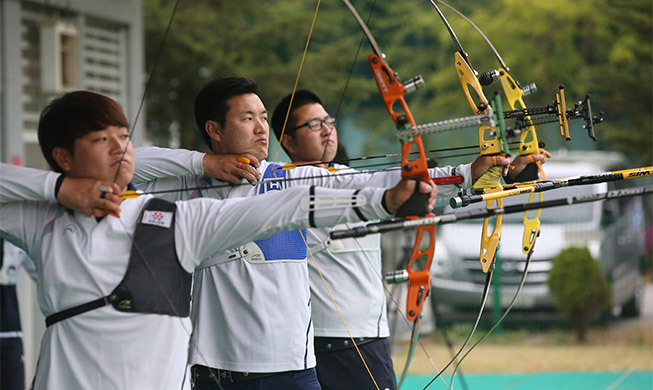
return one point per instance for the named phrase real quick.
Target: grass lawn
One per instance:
(622, 346)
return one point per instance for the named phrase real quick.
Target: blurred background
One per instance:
(153, 64)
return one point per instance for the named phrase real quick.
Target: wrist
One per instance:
(58, 184)
(384, 203)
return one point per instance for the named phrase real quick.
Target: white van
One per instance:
(612, 230)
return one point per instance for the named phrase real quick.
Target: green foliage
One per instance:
(602, 47)
(577, 281)
(579, 286)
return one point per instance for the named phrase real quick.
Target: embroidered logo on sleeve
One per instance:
(157, 218)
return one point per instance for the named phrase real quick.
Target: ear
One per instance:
(63, 158)
(214, 130)
(288, 142)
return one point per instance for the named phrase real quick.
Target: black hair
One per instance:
(211, 101)
(301, 98)
(341, 156)
(72, 116)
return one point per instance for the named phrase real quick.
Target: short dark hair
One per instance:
(302, 98)
(211, 101)
(72, 116)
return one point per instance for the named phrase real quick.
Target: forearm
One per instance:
(155, 163)
(20, 183)
(206, 227)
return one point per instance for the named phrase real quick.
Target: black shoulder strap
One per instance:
(155, 282)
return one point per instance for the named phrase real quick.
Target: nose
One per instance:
(326, 128)
(119, 143)
(262, 126)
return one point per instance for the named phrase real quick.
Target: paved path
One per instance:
(618, 380)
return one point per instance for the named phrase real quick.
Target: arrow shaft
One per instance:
(382, 227)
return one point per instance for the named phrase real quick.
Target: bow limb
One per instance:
(392, 91)
(491, 141)
(528, 142)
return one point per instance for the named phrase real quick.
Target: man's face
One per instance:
(306, 145)
(100, 154)
(246, 127)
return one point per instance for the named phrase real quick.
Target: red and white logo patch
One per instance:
(157, 218)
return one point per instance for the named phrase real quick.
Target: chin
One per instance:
(329, 157)
(124, 179)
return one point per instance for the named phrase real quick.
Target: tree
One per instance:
(602, 47)
(579, 287)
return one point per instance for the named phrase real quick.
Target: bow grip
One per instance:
(416, 205)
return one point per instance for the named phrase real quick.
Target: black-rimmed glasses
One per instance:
(316, 123)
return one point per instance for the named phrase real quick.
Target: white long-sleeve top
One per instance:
(349, 272)
(266, 325)
(80, 259)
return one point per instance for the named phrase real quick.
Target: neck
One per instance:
(315, 163)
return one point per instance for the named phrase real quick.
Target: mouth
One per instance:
(121, 162)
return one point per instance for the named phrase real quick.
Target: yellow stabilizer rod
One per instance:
(632, 173)
(562, 110)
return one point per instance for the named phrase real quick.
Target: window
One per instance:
(59, 49)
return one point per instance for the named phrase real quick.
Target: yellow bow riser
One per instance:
(490, 144)
(528, 144)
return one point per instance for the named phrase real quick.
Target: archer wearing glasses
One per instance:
(314, 138)
(315, 124)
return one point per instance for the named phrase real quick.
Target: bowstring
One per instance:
(496, 324)
(368, 259)
(292, 96)
(130, 134)
(299, 72)
(335, 304)
(351, 71)
(148, 83)
(136, 117)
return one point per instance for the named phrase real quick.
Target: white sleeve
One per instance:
(385, 179)
(356, 179)
(21, 183)
(205, 227)
(19, 222)
(360, 179)
(155, 163)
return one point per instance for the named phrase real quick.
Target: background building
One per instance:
(49, 47)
